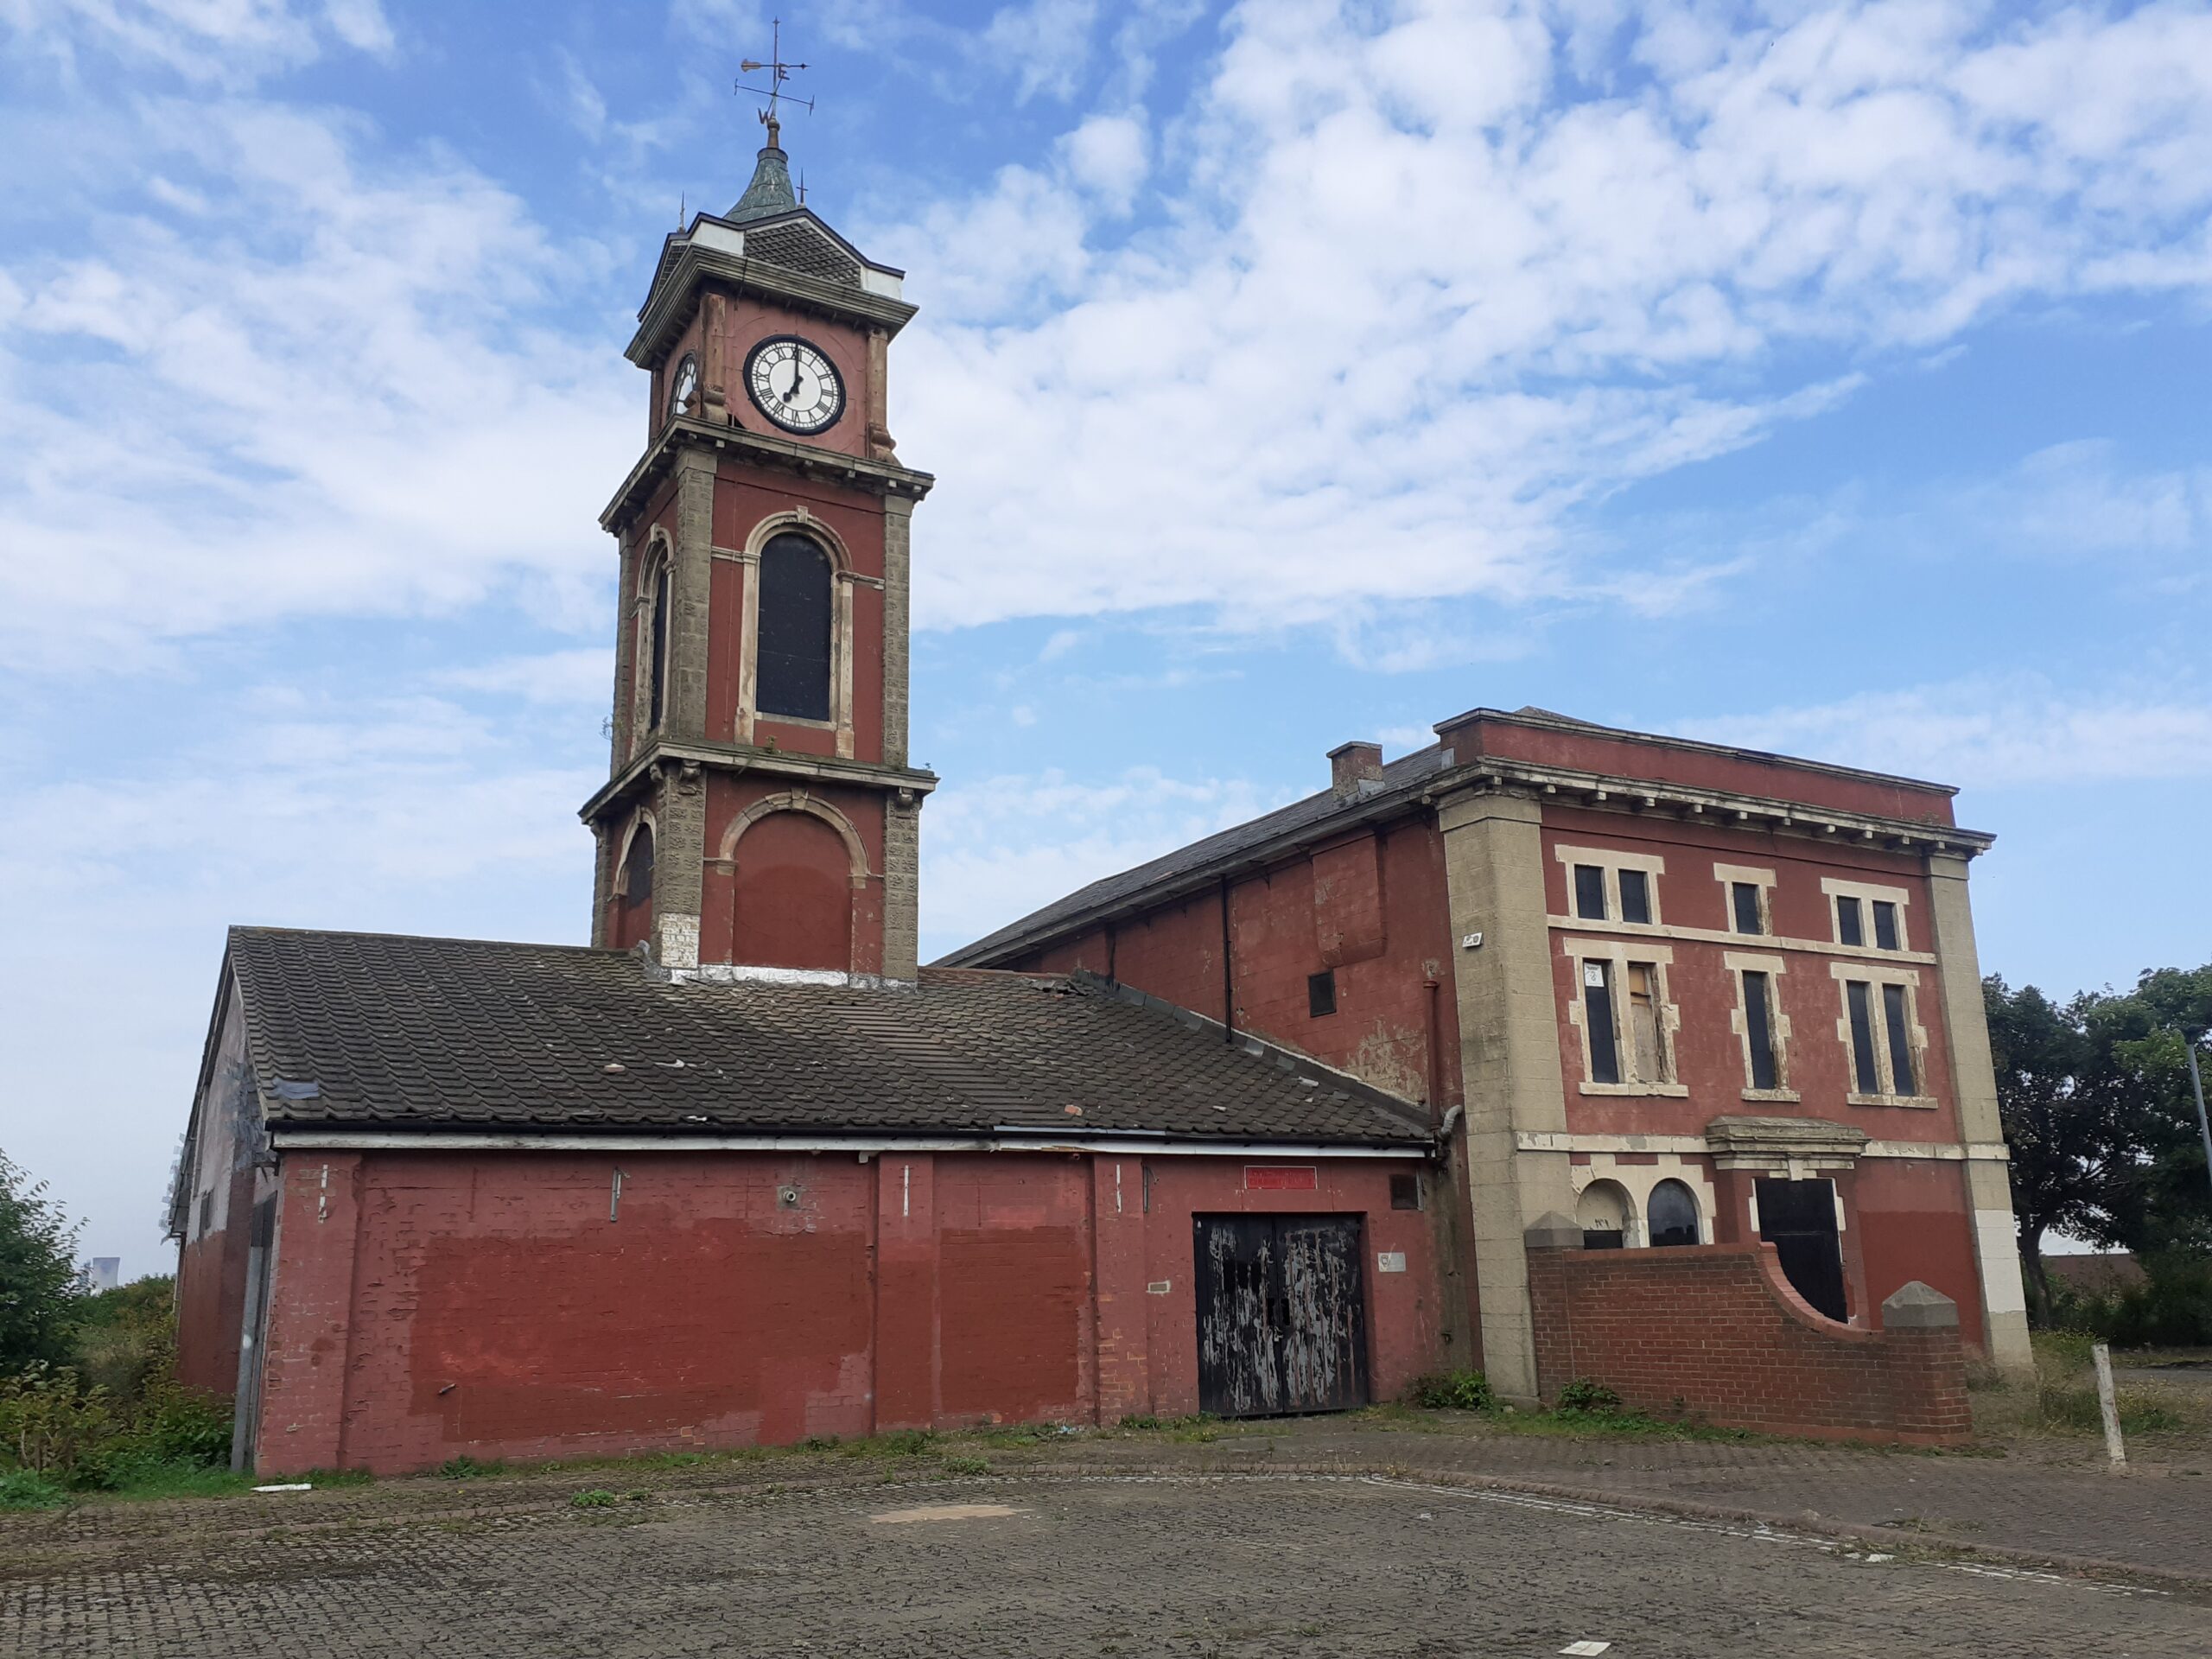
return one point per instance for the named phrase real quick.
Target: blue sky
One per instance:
(1823, 377)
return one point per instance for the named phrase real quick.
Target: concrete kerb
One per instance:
(533, 1495)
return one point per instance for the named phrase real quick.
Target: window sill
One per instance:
(1783, 1095)
(1676, 1090)
(1920, 1102)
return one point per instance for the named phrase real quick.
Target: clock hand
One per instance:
(798, 374)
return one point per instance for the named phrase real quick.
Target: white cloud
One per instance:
(1108, 153)
(333, 385)
(1991, 732)
(584, 674)
(230, 43)
(1416, 299)
(1000, 848)
(1047, 42)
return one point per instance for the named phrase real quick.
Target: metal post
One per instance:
(2197, 1082)
(2108, 1406)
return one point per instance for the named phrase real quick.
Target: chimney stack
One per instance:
(1355, 770)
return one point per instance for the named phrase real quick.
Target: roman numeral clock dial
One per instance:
(794, 384)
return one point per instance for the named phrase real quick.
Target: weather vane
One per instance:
(779, 73)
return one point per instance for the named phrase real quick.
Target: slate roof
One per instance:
(395, 1031)
(1404, 776)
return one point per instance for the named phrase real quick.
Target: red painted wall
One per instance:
(787, 899)
(211, 1293)
(1373, 908)
(1716, 1331)
(431, 1304)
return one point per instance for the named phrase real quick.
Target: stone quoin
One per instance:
(1549, 1049)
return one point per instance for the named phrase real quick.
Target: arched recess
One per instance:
(632, 895)
(1604, 1211)
(650, 607)
(796, 865)
(1672, 1213)
(767, 543)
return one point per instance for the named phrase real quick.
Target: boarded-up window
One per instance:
(1598, 1021)
(1643, 1022)
(793, 676)
(1850, 926)
(1589, 892)
(1745, 897)
(1635, 896)
(1758, 1029)
(1865, 1072)
(1894, 1015)
(1321, 994)
(1886, 925)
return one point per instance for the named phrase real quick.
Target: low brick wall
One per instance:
(1717, 1331)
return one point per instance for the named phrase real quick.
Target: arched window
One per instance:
(638, 869)
(792, 667)
(657, 647)
(1674, 1214)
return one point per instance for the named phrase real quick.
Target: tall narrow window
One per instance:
(1744, 895)
(1894, 1016)
(1886, 925)
(792, 671)
(638, 869)
(1321, 993)
(1598, 1021)
(656, 651)
(1635, 896)
(1850, 926)
(1758, 1029)
(1589, 892)
(1643, 1022)
(1865, 1070)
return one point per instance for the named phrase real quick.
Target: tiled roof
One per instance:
(1404, 776)
(395, 1031)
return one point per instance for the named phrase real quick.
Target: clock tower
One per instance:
(760, 818)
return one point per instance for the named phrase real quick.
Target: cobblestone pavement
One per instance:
(2059, 1501)
(1180, 1564)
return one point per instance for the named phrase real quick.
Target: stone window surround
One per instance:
(1619, 953)
(1868, 893)
(1751, 875)
(1739, 962)
(660, 551)
(1612, 862)
(843, 579)
(1638, 1180)
(1877, 977)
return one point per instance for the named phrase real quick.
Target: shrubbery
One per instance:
(1452, 1391)
(2172, 1308)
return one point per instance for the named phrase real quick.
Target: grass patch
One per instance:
(465, 1467)
(967, 1466)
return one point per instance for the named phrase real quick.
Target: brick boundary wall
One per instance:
(1718, 1329)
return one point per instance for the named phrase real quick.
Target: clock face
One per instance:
(684, 390)
(794, 384)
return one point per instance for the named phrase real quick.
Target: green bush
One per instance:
(49, 1422)
(465, 1467)
(1452, 1391)
(1585, 1395)
(2172, 1308)
(598, 1498)
(20, 1489)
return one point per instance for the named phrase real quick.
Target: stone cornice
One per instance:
(676, 291)
(684, 432)
(772, 763)
(1720, 808)
(1490, 775)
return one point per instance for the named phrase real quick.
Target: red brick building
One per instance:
(741, 1172)
(1665, 994)
(1360, 1091)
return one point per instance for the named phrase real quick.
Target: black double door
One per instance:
(1283, 1314)
(1798, 1218)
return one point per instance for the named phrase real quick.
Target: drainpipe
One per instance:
(1228, 976)
(1435, 1066)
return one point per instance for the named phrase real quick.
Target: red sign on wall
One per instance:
(1280, 1178)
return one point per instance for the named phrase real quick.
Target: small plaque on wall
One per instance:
(1390, 1262)
(1281, 1178)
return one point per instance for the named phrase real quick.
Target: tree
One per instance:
(2145, 1032)
(38, 1271)
(2068, 1120)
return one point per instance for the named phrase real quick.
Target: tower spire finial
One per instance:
(779, 73)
